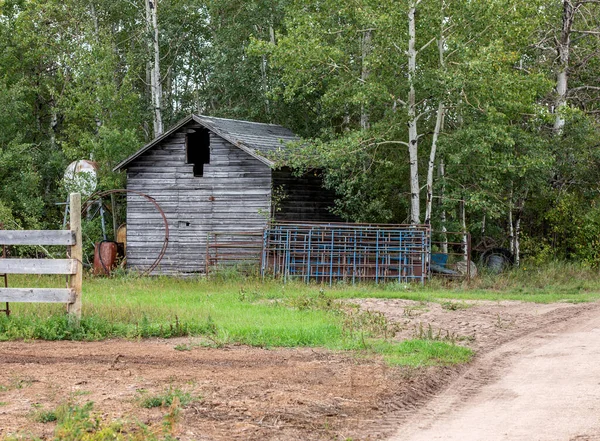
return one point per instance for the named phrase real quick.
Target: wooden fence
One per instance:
(72, 266)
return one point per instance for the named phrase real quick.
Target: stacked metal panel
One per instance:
(348, 252)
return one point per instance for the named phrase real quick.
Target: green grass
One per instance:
(244, 311)
(46, 416)
(422, 353)
(272, 314)
(76, 422)
(167, 398)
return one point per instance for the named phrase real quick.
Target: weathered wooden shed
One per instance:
(212, 175)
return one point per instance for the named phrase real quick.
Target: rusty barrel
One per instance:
(105, 258)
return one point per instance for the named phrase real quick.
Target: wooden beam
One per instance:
(37, 237)
(38, 266)
(31, 295)
(76, 254)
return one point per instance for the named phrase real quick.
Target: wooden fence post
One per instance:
(76, 253)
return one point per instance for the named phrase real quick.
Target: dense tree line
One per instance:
(452, 112)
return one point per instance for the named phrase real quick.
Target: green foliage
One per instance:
(75, 422)
(167, 398)
(47, 416)
(74, 85)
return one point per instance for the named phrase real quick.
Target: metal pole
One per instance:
(102, 218)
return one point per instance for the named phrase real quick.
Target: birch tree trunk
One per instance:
(517, 242)
(264, 66)
(463, 226)
(442, 174)
(53, 124)
(155, 79)
(439, 122)
(98, 116)
(364, 76)
(483, 219)
(413, 137)
(511, 229)
(562, 78)
(516, 248)
(263, 74)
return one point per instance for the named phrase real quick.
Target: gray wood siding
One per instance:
(233, 195)
(304, 198)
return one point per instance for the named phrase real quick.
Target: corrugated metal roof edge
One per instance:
(252, 152)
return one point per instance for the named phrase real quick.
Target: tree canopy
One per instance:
(411, 108)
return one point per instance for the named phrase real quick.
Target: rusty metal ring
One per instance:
(150, 199)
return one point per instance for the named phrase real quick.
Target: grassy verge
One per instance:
(270, 314)
(223, 312)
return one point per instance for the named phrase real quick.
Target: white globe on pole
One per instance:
(81, 177)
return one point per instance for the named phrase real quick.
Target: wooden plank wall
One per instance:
(304, 199)
(233, 195)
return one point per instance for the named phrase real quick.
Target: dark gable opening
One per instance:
(197, 150)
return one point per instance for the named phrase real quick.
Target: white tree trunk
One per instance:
(562, 78)
(155, 78)
(517, 242)
(516, 246)
(439, 122)
(413, 136)
(53, 124)
(511, 228)
(442, 174)
(483, 226)
(463, 226)
(365, 123)
(98, 116)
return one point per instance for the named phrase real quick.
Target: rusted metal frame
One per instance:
(350, 225)
(461, 254)
(99, 195)
(219, 250)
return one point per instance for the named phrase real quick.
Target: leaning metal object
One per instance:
(150, 199)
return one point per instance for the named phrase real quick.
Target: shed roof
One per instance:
(257, 139)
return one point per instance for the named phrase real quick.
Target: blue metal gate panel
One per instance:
(349, 252)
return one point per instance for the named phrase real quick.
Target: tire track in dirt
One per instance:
(453, 414)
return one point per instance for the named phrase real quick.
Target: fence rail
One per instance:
(38, 237)
(72, 266)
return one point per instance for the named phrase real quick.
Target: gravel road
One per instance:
(543, 386)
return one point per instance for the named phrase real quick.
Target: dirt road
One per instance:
(544, 386)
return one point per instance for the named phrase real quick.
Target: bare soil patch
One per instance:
(479, 324)
(249, 393)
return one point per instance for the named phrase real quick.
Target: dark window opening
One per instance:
(197, 149)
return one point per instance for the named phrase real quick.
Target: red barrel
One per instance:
(105, 258)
